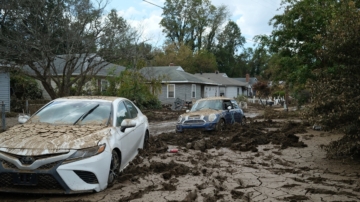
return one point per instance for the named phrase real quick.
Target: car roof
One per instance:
(104, 98)
(215, 98)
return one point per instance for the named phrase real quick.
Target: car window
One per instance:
(132, 109)
(68, 112)
(226, 104)
(207, 104)
(235, 105)
(121, 114)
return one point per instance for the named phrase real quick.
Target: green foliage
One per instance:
(183, 56)
(186, 22)
(335, 90)
(229, 40)
(278, 93)
(24, 87)
(136, 87)
(241, 98)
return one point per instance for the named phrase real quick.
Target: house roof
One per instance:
(174, 74)
(82, 62)
(252, 80)
(222, 79)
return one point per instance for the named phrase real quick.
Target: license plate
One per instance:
(29, 179)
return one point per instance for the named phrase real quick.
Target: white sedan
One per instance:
(71, 145)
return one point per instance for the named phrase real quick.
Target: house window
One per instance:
(171, 90)
(104, 85)
(222, 91)
(193, 90)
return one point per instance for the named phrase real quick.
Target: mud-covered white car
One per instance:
(71, 145)
(211, 114)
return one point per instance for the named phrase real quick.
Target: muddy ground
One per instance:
(275, 157)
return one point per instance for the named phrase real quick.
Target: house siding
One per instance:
(211, 91)
(182, 91)
(5, 90)
(231, 91)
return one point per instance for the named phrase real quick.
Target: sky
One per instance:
(252, 16)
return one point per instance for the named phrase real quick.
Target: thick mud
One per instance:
(269, 159)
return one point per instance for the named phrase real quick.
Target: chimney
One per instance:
(247, 77)
(171, 64)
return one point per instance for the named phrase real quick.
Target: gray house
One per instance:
(178, 84)
(250, 81)
(99, 70)
(228, 87)
(5, 89)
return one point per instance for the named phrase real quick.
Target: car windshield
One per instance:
(207, 104)
(70, 112)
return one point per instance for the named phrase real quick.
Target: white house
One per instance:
(228, 87)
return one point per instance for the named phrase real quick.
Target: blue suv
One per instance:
(211, 114)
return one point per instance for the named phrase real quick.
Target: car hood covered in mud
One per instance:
(40, 139)
(204, 112)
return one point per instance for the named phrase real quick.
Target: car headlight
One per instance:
(212, 117)
(85, 153)
(179, 119)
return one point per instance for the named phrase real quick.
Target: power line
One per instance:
(153, 4)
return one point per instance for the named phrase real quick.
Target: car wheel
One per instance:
(243, 120)
(220, 126)
(146, 140)
(114, 167)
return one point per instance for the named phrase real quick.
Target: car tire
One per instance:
(114, 167)
(146, 140)
(220, 126)
(243, 120)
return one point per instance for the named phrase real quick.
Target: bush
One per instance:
(278, 93)
(241, 98)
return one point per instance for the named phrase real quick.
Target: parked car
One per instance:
(211, 114)
(72, 145)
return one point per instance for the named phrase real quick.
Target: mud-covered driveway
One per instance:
(267, 160)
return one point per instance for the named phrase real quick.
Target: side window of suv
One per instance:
(235, 105)
(227, 103)
(121, 114)
(132, 109)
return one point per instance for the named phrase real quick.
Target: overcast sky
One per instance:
(252, 16)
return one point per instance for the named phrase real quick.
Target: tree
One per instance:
(185, 22)
(199, 61)
(335, 91)
(34, 34)
(170, 53)
(293, 38)
(229, 40)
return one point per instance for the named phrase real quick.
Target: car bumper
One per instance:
(59, 177)
(206, 126)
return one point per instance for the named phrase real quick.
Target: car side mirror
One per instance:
(23, 118)
(127, 123)
(229, 107)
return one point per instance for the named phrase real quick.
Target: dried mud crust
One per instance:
(243, 163)
(237, 138)
(266, 160)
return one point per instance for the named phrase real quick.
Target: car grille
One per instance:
(48, 166)
(35, 157)
(45, 182)
(8, 165)
(88, 177)
(194, 122)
